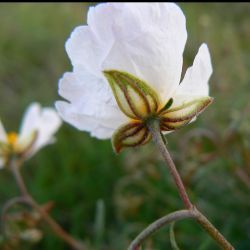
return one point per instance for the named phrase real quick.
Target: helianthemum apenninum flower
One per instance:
(127, 64)
(37, 130)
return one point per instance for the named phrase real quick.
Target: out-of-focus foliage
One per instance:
(106, 199)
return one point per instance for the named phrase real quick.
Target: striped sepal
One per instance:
(134, 97)
(130, 135)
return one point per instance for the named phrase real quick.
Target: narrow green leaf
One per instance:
(130, 135)
(99, 223)
(134, 97)
(172, 237)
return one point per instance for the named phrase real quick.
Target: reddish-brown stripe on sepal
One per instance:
(134, 97)
(186, 111)
(130, 135)
(169, 126)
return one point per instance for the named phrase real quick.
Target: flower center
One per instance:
(12, 138)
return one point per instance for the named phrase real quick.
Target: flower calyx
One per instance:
(141, 104)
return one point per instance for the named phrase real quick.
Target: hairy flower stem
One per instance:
(57, 229)
(159, 141)
(191, 210)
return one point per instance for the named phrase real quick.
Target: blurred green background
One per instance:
(106, 199)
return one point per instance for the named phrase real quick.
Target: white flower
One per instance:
(37, 130)
(145, 40)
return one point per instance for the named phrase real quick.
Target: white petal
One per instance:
(100, 20)
(26, 141)
(196, 78)
(195, 82)
(82, 48)
(48, 125)
(80, 85)
(86, 50)
(43, 120)
(98, 128)
(144, 39)
(30, 119)
(91, 99)
(154, 52)
(3, 136)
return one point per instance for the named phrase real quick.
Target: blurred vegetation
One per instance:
(106, 199)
